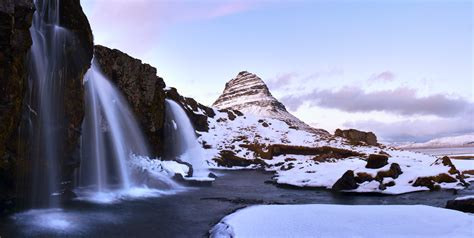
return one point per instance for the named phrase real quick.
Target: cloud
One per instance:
(281, 81)
(400, 101)
(417, 130)
(136, 25)
(384, 76)
(288, 80)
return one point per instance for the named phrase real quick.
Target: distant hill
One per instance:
(443, 142)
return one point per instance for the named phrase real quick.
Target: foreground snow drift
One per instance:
(345, 221)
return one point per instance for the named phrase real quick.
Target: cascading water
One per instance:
(111, 135)
(111, 140)
(182, 137)
(46, 124)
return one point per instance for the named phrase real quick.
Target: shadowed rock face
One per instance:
(15, 40)
(15, 137)
(79, 55)
(142, 88)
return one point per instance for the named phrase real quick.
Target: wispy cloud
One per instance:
(138, 24)
(282, 80)
(383, 76)
(401, 101)
(417, 130)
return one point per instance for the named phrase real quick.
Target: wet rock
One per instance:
(15, 41)
(376, 161)
(143, 89)
(464, 205)
(78, 54)
(346, 182)
(356, 136)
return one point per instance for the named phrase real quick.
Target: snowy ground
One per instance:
(345, 221)
(227, 134)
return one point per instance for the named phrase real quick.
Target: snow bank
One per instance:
(465, 197)
(345, 221)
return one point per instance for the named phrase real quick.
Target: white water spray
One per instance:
(182, 135)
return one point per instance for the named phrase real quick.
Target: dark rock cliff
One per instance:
(16, 138)
(15, 40)
(79, 56)
(142, 88)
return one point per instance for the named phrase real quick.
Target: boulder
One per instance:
(357, 137)
(363, 177)
(376, 161)
(393, 172)
(143, 89)
(346, 182)
(464, 205)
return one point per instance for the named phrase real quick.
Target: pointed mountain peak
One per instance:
(249, 94)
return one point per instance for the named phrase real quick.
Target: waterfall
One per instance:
(110, 135)
(45, 119)
(183, 144)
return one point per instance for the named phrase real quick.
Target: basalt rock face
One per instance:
(79, 56)
(250, 95)
(357, 137)
(17, 112)
(196, 112)
(141, 86)
(15, 40)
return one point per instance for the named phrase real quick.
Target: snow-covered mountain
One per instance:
(249, 94)
(443, 142)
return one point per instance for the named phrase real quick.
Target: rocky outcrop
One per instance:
(196, 112)
(357, 137)
(15, 41)
(227, 158)
(249, 94)
(462, 204)
(141, 86)
(376, 161)
(346, 182)
(322, 154)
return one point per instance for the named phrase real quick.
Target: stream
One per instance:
(190, 213)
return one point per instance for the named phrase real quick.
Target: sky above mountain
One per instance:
(403, 69)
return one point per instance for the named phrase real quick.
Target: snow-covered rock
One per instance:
(317, 220)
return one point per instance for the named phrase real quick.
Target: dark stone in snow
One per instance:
(346, 182)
